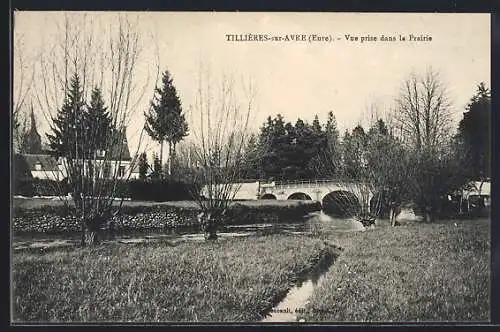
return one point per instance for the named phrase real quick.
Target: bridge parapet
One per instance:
(316, 183)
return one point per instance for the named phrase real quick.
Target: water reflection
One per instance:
(298, 296)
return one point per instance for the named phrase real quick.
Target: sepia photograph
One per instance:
(250, 167)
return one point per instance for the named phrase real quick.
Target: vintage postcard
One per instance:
(250, 167)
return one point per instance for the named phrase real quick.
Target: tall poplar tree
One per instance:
(164, 120)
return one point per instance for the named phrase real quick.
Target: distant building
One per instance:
(44, 165)
(475, 197)
(479, 193)
(478, 188)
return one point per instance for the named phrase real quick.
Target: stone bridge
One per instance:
(327, 192)
(315, 190)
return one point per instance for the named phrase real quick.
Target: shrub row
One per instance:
(38, 187)
(142, 190)
(161, 190)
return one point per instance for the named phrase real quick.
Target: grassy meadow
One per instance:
(415, 272)
(233, 280)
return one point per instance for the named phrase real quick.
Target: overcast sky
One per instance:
(300, 79)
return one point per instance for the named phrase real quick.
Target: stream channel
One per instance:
(298, 296)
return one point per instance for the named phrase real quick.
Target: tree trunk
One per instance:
(82, 230)
(161, 160)
(169, 169)
(173, 160)
(391, 215)
(208, 226)
(210, 232)
(429, 214)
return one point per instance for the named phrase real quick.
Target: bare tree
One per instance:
(423, 111)
(23, 82)
(102, 57)
(423, 114)
(220, 130)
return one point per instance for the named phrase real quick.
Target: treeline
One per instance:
(286, 151)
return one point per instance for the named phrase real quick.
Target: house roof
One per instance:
(47, 162)
(120, 150)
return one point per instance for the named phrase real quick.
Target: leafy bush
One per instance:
(44, 187)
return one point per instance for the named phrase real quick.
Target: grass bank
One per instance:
(233, 280)
(415, 272)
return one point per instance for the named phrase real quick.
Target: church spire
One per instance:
(33, 120)
(33, 141)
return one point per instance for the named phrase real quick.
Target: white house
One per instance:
(43, 165)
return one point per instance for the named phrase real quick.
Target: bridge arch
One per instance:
(341, 203)
(268, 196)
(300, 196)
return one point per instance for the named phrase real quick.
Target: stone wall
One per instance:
(56, 220)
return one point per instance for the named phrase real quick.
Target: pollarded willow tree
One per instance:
(423, 113)
(389, 169)
(350, 173)
(85, 88)
(372, 167)
(220, 131)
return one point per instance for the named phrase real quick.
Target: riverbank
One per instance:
(52, 217)
(237, 279)
(417, 272)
